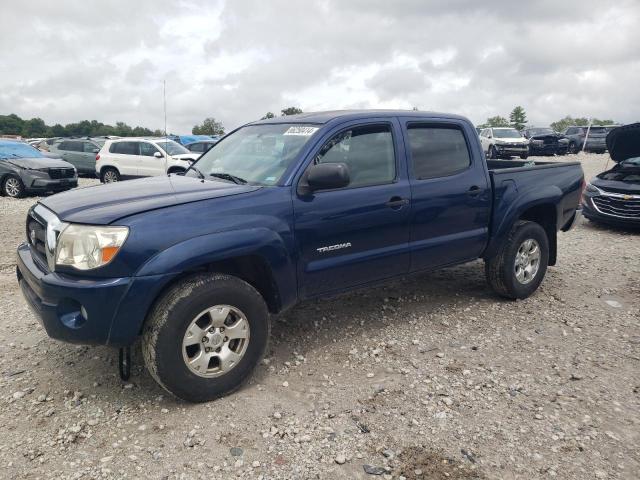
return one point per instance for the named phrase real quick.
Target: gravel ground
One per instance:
(429, 377)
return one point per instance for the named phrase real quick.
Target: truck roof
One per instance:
(325, 117)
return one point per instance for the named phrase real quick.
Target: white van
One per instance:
(124, 158)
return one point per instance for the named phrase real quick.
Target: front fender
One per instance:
(203, 250)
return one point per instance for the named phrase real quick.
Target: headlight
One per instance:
(85, 247)
(592, 189)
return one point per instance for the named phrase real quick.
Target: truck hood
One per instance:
(104, 204)
(624, 142)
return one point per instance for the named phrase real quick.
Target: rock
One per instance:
(255, 464)
(388, 453)
(373, 470)
(236, 451)
(18, 395)
(277, 415)
(285, 384)
(340, 459)
(576, 376)
(106, 459)
(440, 355)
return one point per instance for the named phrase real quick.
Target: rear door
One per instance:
(450, 193)
(87, 158)
(357, 234)
(125, 157)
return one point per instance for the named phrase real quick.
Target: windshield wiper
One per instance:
(228, 176)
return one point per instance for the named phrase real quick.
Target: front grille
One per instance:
(56, 173)
(618, 206)
(36, 236)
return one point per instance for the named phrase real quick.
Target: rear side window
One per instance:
(89, 147)
(437, 151)
(124, 148)
(367, 151)
(196, 147)
(70, 146)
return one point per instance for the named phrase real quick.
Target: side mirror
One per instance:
(158, 155)
(324, 176)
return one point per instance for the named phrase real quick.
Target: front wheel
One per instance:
(573, 148)
(493, 154)
(205, 336)
(524, 157)
(519, 267)
(13, 187)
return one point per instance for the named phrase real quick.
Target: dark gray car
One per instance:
(23, 169)
(81, 153)
(595, 141)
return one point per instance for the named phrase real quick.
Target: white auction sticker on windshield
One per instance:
(301, 131)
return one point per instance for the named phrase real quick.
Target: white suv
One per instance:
(504, 142)
(125, 158)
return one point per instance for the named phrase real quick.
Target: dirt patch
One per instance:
(419, 463)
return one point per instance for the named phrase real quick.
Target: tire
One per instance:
(573, 148)
(109, 175)
(13, 187)
(524, 157)
(500, 270)
(492, 154)
(171, 320)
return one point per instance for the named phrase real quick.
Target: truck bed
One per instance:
(521, 185)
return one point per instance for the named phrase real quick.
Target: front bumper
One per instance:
(512, 150)
(49, 185)
(84, 310)
(609, 214)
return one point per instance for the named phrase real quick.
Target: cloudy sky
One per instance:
(235, 60)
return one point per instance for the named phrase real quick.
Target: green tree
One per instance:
(209, 127)
(268, 115)
(518, 118)
(291, 111)
(496, 121)
(33, 128)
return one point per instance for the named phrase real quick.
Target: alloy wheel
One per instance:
(215, 341)
(527, 261)
(12, 187)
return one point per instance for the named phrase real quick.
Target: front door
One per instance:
(149, 165)
(450, 194)
(357, 234)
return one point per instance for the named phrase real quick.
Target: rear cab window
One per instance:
(437, 150)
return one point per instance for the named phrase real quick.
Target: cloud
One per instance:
(236, 60)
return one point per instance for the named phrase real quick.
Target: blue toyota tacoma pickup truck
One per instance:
(279, 211)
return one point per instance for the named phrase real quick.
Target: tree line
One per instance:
(210, 126)
(518, 120)
(36, 127)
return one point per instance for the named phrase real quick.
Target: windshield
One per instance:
(18, 150)
(541, 131)
(506, 133)
(631, 162)
(172, 148)
(259, 154)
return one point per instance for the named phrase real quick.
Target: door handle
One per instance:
(474, 191)
(396, 203)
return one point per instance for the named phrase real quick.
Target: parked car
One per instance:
(201, 146)
(546, 141)
(504, 142)
(81, 153)
(277, 212)
(24, 169)
(614, 196)
(125, 158)
(595, 142)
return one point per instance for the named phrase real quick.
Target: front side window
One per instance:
(437, 151)
(256, 154)
(147, 149)
(367, 151)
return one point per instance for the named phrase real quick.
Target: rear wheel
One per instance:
(524, 157)
(519, 267)
(205, 336)
(109, 175)
(13, 187)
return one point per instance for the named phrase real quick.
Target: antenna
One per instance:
(164, 98)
